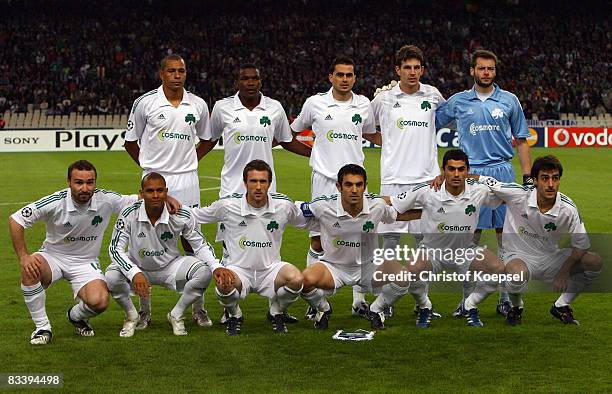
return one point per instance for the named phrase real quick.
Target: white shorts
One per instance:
(351, 275)
(543, 268)
(185, 187)
(77, 272)
(410, 227)
(259, 282)
(173, 276)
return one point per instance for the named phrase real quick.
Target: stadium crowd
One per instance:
(65, 56)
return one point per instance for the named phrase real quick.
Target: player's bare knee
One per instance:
(98, 301)
(294, 280)
(592, 262)
(309, 278)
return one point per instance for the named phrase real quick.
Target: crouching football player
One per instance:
(150, 234)
(538, 217)
(75, 220)
(253, 224)
(348, 221)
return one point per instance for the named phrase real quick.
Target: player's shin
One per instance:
(316, 299)
(284, 297)
(390, 293)
(193, 291)
(120, 291)
(230, 302)
(576, 284)
(418, 289)
(35, 297)
(480, 293)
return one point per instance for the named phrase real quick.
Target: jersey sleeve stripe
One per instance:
(115, 254)
(139, 99)
(48, 200)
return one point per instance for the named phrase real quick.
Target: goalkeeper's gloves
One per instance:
(527, 180)
(390, 86)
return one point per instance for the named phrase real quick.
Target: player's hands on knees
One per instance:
(383, 88)
(31, 266)
(140, 285)
(437, 182)
(223, 277)
(173, 205)
(560, 281)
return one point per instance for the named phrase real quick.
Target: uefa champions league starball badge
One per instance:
(357, 335)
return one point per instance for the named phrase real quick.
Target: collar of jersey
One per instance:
(263, 102)
(93, 204)
(330, 102)
(341, 212)
(164, 101)
(533, 203)
(246, 209)
(495, 96)
(143, 217)
(398, 92)
(446, 196)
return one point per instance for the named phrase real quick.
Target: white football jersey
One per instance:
(168, 135)
(447, 221)
(530, 232)
(153, 247)
(338, 131)
(253, 236)
(350, 240)
(71, 230)
(408, 128)
(247, 135)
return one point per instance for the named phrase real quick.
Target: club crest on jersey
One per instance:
(368, 226)
(272, 226)
(356, 119)
(265, 121)
(190, 119)
(26, 212)
(96, 220)
(166, 236)
(497, 113)
(550, 226)
(425, 105)
(470, 210)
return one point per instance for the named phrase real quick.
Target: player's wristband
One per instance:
(527, 180)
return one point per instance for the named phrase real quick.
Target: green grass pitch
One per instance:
(541, 355)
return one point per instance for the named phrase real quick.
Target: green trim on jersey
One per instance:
(115, 254)
(373, 196)
(280, 196)
(233, 195)
(184, 213)
(568, 200)
(131, 208)
(512, 186)
(419, 186)
(104, 191)
(139, 99)
(49, 199)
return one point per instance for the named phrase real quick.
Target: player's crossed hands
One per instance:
(31, 266)
(223, 277)
(141, 285)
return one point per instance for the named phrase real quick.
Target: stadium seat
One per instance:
(79, 121)
(57, 120)
(72, 118)
(64, 121)
(36, 118)
(123, 121)
(95, 119)
(20, 120)
(86, 121)
(27, 121)
(563, 116)
(10, 120)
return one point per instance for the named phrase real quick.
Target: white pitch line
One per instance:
(210, 188)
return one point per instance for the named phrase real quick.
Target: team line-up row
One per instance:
(144, 246)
